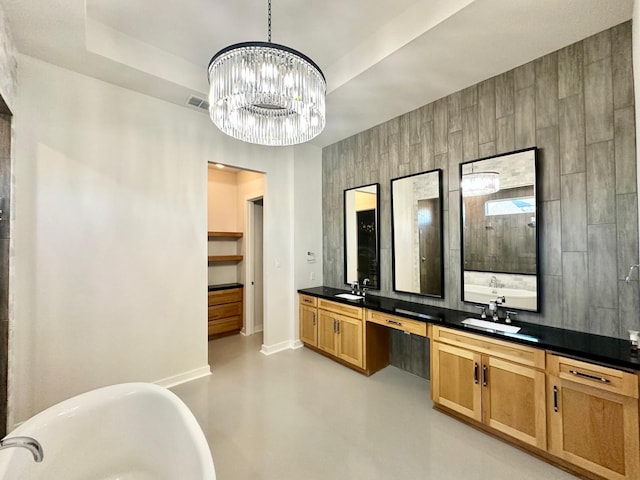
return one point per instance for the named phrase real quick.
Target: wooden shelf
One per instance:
(225, 258)
(224, 235)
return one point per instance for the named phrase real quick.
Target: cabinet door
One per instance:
(327, 326)
(350, 340)
(455, 379)
(514, 401)
(308, 325)
(594, 429)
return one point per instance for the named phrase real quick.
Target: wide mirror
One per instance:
(416, 211)
(361, 235)
(499, 230)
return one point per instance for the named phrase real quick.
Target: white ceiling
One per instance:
(382, 58)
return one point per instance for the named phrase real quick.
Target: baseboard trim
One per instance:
(184, 377)
(297, 344)
(278, 347)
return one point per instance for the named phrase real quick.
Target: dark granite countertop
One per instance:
(595, 348)
(224, 286)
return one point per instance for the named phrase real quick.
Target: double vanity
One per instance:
(569, 397)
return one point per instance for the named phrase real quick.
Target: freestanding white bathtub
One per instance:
(131, 431)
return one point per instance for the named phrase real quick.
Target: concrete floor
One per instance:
(298, 415)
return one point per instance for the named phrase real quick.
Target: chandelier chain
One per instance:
(269, 21)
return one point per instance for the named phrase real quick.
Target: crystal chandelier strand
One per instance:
(267, 94)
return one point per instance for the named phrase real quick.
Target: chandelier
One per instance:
(479, 183)
(265, 93)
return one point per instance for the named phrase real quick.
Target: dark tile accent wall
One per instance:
(5, 195)
(577, 106)
(410, 353)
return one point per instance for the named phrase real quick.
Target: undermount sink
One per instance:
(495, 326)
(349, 296)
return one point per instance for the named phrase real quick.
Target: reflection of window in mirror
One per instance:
(499, 229)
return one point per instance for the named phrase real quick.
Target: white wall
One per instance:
(222, 211)
(307, 201)
(110, 237)
(222, 214)
(251, 185)
(8, 63)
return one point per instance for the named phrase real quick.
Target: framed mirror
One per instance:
(499, 231)
(417, 234)
(362, 235)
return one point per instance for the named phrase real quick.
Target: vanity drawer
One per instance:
(308, 300)
(603, 378)
(224, 325)
(220, 297)
(508, 351)
(355, 312)
(224, 311)
(399, 323)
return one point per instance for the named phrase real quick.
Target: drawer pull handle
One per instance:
(393, 322)
(590, 377)
(555, 398)
(475, 373)
(337, 326)
(484, 375)
(314, 319)
(334, 325)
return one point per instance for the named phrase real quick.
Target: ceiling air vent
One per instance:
(198, 103)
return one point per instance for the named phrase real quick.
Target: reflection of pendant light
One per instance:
(479, 183)
(265, 93)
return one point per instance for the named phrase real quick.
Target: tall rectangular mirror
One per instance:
(499, 230)
(362, 235)
(416, 212)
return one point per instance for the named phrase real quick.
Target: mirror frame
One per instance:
(370, 286)
(536, 192)
(440, 294)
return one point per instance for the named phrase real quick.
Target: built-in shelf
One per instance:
(224, 235)
(225, 258)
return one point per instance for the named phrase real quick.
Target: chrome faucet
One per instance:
(493, 307)
(29, 443)
(355, 288)
(363, 289)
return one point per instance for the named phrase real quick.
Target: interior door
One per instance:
(367, 246)
(429, 246)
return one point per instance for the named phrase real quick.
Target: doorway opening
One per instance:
(254, 267)
(235, 212)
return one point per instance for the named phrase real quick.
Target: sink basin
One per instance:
(485, 324)
(349, 296)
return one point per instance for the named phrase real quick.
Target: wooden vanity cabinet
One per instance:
(225, 311)
(340, 331)
(496, 383)
(593, 417)
(308, 320)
